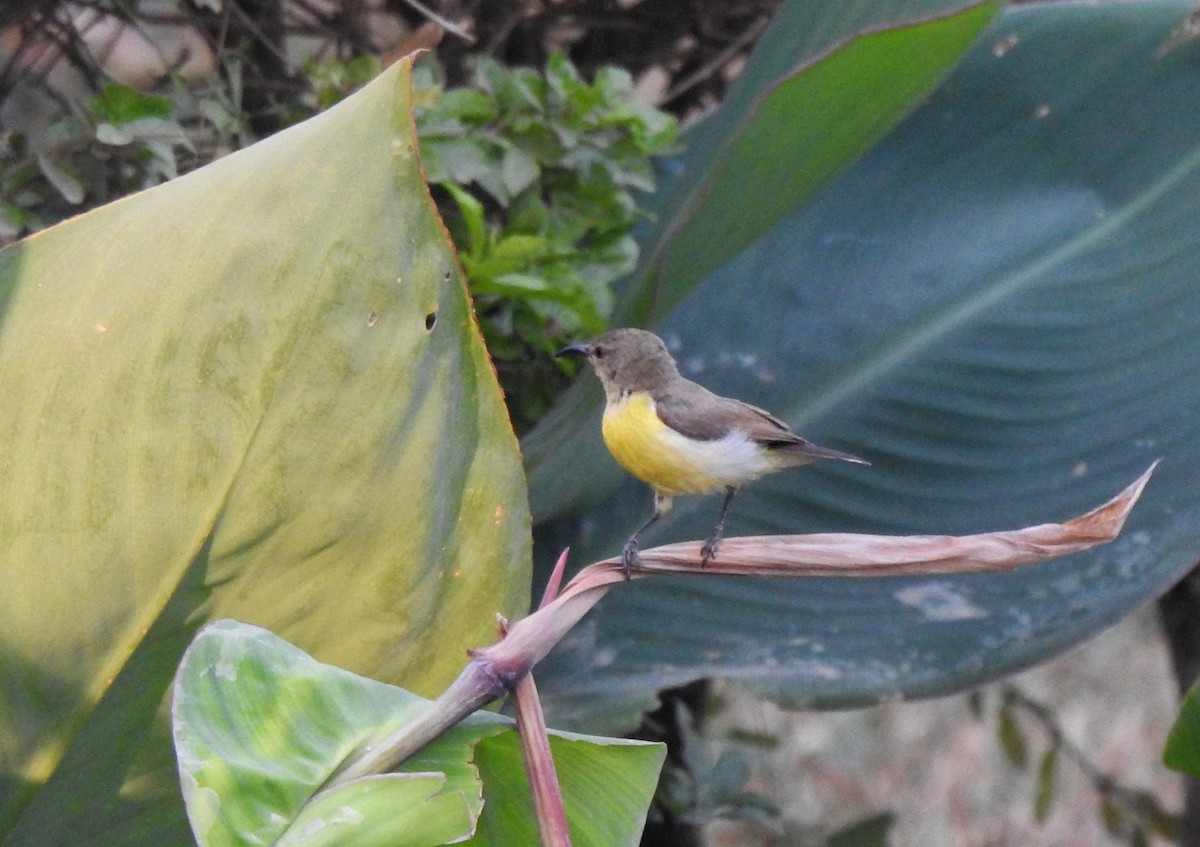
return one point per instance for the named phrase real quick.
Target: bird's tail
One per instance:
(805, 451)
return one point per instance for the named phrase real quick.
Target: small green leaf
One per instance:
(726, 776)
(1011, 737)
(869, 832)
(1150, 812)
(473, 217)
(465, 160)
(1182, 752)
(521, 247)
(65, 182)
(754, 738)
(469, 104)
(1113, 816)
(519, 170)
(517, 285)
(119, 104)
(1047, 785)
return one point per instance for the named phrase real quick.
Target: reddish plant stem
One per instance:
(539, 766)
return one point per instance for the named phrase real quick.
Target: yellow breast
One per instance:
(673, 463)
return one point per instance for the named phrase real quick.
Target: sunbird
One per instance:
(681, 438)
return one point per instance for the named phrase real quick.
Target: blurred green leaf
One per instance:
(119, 104)
(1151, 814)
(1113, 816)
(1047, 785)
(1012, 737)
(254, 392)
(1182, 752)
(64, 181)
(873, 831)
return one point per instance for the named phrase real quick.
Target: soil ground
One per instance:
(943, 772)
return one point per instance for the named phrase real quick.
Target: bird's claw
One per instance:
(709, 551)
(630, 558)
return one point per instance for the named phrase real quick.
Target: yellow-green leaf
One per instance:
(254, 392)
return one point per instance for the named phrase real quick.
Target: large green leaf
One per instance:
(825, 82)
(255, 392)
(260, 727)
(998, 308)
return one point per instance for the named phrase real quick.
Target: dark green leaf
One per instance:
(1182, 752)
(998, 309)
(1151, 814)
(873, 831)
(1047, 785)
(1012, 737)
(467, 104)
(519, 170)
(1113, 816)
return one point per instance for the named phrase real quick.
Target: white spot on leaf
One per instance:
(937, 601)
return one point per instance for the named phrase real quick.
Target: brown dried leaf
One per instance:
(853, 555)
(501, 666)
(827, 554)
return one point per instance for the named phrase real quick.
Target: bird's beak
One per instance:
(574, 350)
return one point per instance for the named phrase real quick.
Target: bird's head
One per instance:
(626, 360)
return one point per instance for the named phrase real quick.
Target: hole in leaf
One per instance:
(430, 320)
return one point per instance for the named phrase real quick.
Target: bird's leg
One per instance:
(709, 550)
(629, 556)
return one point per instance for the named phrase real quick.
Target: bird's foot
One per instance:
(709, 551)
(630, 558)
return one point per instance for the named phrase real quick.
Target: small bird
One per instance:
(681, 438)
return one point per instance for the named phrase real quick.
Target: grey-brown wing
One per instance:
(695, 411)
(698, 413)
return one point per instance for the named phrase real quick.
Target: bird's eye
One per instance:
(598, 352)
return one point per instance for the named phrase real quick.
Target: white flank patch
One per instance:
(730, 461)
